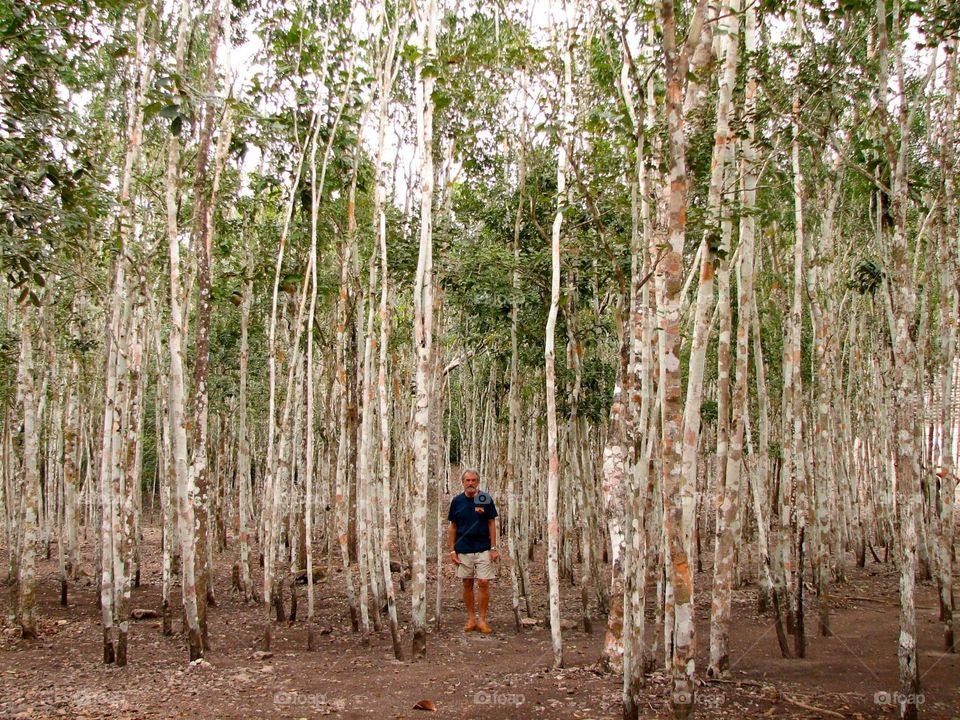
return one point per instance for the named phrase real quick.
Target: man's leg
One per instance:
(468, 602)
(484, 586)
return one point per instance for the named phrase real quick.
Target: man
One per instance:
(472, 539)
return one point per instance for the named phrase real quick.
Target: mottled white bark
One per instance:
(243, 439)
(386, 70)
(949, 309)
(553, 457)
(29, 514)
(427, 21)
(901, 308)
(678, 491)
(730, 459)
(71, 464)
(178, 431)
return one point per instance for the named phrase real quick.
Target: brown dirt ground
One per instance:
(466, 676)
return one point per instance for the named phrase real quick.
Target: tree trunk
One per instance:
(553, 458)
(730, 462)
(949, 309)
(678, 494)
(427, 19)
(902, 304)
(26, 584)
(243, 440)
(185, 491)
(386, 70)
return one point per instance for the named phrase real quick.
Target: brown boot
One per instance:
(470, 626)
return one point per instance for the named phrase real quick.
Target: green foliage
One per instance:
(50, 183)
(939, 22)
(867, 277)
(66, 73)
(477, 59)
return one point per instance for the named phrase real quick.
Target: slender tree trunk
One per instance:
(902, 299)
(728, 521)
(614, 493)
(678, 494)
(576, 476)
(129, 470)
(341, 491)
(822, 461)
(243, 440)
(949, 309)
(111, 420)
(30, 498)
(272, 484)
(387, 71)
(793, 480)
(71, 463)
(641, 429)
(366, 341)
(202, 235)
(117, 541)
(185, 491)
(513, 411)
(167, 477)
(309, 450)
(553, 458)
(426, 41)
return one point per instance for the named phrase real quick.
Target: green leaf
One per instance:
(441, 99)
(151, 109)
(410, 53)
(170, 112)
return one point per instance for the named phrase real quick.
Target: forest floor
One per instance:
(504, 675)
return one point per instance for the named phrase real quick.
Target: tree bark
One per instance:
(730, 461)
(185, 491)
(30, 498)
(553, 458)
(678, 494)
(427, 19)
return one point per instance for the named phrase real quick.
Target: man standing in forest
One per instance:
(472, 539)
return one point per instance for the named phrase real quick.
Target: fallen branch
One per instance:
(738, 683)
(870, 599)
(863, 598)
(812, 708)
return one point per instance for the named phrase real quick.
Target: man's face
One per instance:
(471, 483)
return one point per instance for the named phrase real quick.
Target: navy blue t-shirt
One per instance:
(471, 516)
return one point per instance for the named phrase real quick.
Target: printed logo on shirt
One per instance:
(479, 509)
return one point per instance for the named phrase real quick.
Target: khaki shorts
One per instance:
(476, 565)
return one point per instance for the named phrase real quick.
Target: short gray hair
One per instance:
(468, 471)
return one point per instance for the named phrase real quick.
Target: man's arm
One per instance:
(452, 542)
(492, 526)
